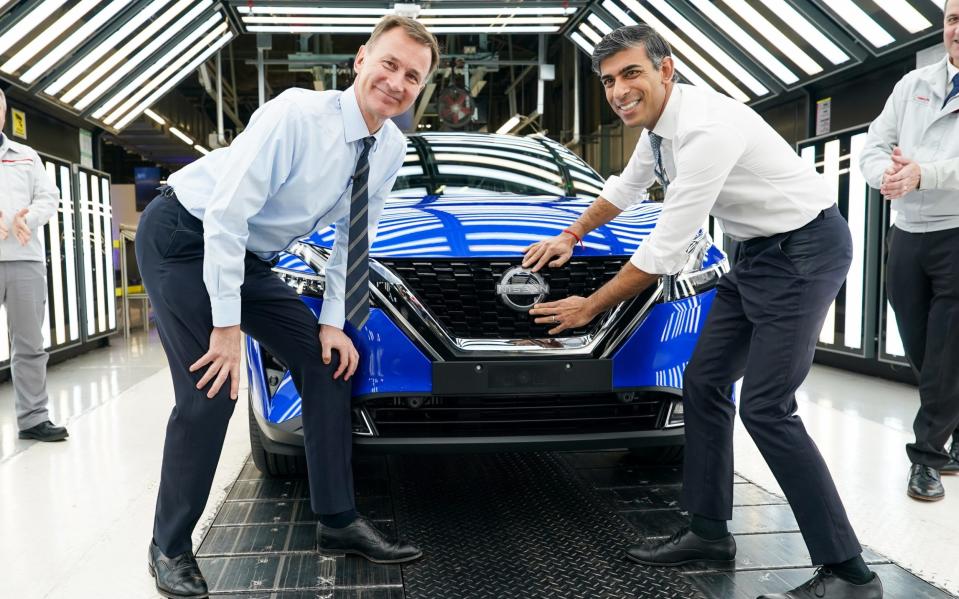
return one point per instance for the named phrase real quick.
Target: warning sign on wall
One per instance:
(19, 123)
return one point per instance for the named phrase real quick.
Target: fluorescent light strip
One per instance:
(367, 29)
(46, 36)
(76, 38)
(939, 4)
(85, 238)
(831, 173)
(590, 33)
(108, 253)
(905, 14)
(145, 81)
(681, 46)
(159, 119)
(515, 10)
(508, 125)
(203, 150)
(148, 51)
(857, 225)
(42, 234)
(69, 242)
(599, 23)
(56, 268)
(96, 208)
(582, 43)
(182, 136)
(109, 44)
(272, 20)
(28, 23)
(849, 12)
(305, 10)
(807, 31)
(174, 80)
(681, 66)
(774, 36)
(4, 336)
(693, 33)
(748, 42)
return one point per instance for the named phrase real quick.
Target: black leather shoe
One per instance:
(176, 577)
(45, 431)
(953, 466)
(682, 548)
(925, 484)
(826, 585)
(362, 538)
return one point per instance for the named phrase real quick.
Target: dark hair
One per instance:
(632, 36)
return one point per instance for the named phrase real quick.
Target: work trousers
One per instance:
(169, 248)
(23, 292)
(763, 327)
(922, 284)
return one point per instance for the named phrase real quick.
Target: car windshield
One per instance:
(461, 164)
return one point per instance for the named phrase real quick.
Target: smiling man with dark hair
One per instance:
(716, 156)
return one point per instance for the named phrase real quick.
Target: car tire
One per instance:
(662, 456)
(273, 465)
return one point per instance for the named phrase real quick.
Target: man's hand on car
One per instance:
(543, 252)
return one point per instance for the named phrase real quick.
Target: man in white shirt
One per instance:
(28, 198)
(307, 160)
(716, 156)
(912, 156)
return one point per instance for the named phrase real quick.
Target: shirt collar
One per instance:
(668, 121)
(354, 126)
(3, 143)
(951, 71)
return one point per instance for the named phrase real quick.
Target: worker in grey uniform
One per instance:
(28, 198)
(912, 157)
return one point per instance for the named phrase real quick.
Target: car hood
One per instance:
(470, 227)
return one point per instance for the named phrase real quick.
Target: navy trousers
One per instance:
(762, 327)
(922, 283)
(169, 248)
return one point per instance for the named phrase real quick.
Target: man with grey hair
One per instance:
(713, 155)
(28, 198)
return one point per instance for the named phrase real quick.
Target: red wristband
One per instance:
(576, 237)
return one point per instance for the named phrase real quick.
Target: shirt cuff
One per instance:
(614, 193)
(333, 313)
(646, 261)
(927, 177)
(226, 313)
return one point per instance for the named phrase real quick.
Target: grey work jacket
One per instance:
(24, 183)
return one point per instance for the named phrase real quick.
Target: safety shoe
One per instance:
(826, 585)
(45, 431)
(925, 484)
(176, 577)
(364, 539)
(684, 547)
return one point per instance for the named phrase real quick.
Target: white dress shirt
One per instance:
(287, 175)
(24, 183)
(721, 159)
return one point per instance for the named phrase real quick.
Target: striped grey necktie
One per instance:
(358, 256)
(656, 142)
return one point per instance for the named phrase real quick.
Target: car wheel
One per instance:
(663, 456)
(274, 465)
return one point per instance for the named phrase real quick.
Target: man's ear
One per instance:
(360, 58)
(667, 69)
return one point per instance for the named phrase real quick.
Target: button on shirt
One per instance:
(24, 183)
(720, 158)
(286, 176)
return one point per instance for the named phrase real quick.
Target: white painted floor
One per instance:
(77, 514)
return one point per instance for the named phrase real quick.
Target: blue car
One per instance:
(451, 359)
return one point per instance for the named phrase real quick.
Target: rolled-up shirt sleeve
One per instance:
(704, 159)
(333, 312)
(263, 159)
(631, 186)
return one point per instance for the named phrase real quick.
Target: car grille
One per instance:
(498, 416)
(461, 294)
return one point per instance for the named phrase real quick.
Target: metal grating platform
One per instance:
(530, 526)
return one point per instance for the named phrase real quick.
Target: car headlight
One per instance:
(693, 278)
(303, 267)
